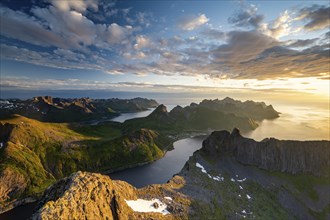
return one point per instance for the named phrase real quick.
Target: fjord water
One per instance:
(126, 116)
(161, 170)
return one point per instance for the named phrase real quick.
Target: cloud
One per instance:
(247, 17)
(68, 37)
(214, 34)
(317, 17)
(280, 62)
(190, 23)
(78, 5)
(141, 42)
(63, 25)
(301, 43)
(280, 27)
(20, 26)
(242, 46)
(59, 58)
(116, 34)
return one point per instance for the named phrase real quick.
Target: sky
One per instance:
(280, 48)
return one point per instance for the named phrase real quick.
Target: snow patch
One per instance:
(240, 187)
(247, 196)
(231, 179)
(201, 167)
(216, 178)
(142, 205)
(168, 198)
(242, 180)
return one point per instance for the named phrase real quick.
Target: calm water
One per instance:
(295, 123)
(162, 170)
(125, 116)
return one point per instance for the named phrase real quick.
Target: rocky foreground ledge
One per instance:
(223, 180)
(85, 195)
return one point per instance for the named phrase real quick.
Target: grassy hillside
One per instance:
(35, 154)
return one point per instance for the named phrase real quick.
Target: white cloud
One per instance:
(78, 5)
(20, 26)
(190, 23)
(280, 27)
(141, 42)
(115, 33)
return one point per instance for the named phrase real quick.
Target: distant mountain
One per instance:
(49, 109)
(251, 109)
(206, 116)
(221, 181)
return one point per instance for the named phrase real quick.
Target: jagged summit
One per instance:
(160, 111)
(161, 108)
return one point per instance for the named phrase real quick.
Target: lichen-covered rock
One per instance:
(12, 184)
(310, 157)
(86, 195)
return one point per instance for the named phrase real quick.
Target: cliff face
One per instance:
(311, 157)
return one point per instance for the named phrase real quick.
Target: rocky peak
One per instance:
(46, 99)
(160, 111)
(193, 105)
(161, 108)
(228, 100)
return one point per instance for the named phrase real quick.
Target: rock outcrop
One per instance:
(86, 195)
(311, 157)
